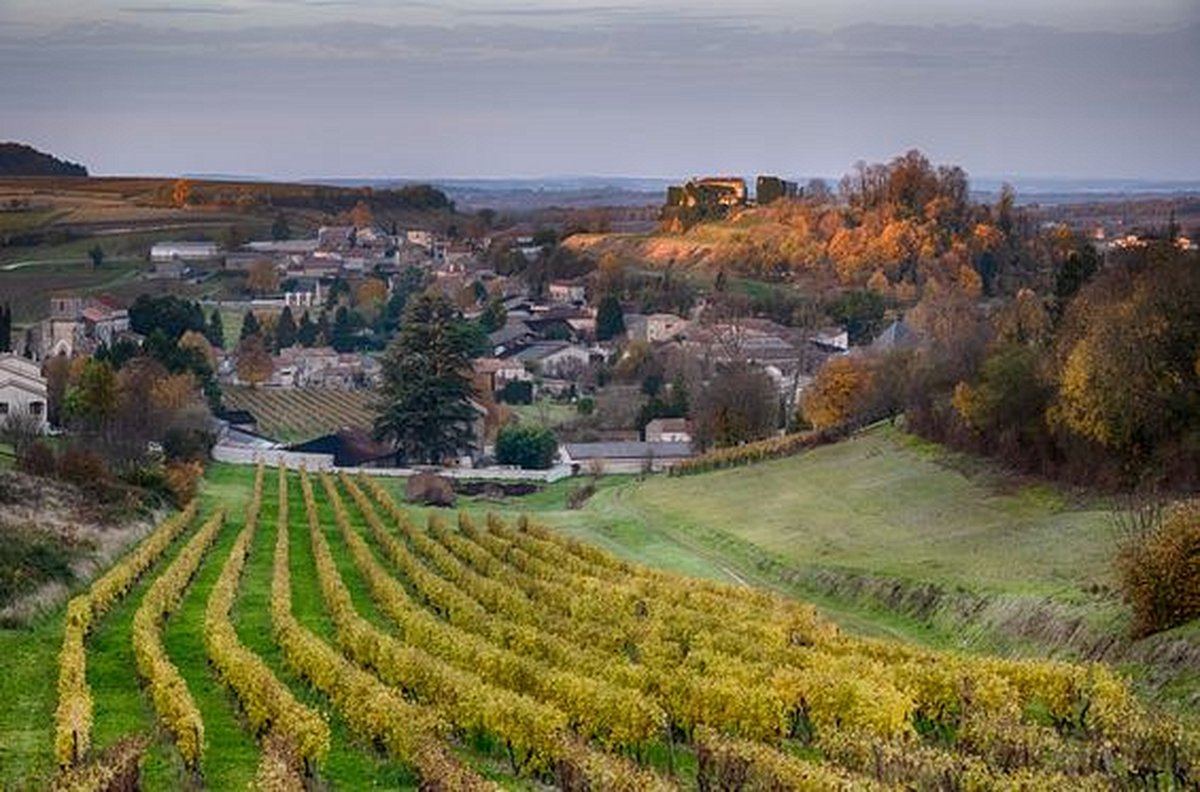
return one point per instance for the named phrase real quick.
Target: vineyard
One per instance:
(299, 414)
(302, 630)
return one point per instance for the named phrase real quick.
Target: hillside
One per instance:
(892, 536)
(18, 159)
(312, 629)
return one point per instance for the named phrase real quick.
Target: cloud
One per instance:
(183, 10)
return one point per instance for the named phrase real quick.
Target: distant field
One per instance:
(296, 415)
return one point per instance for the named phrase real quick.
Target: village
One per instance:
(548, 355)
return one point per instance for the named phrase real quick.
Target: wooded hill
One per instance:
(18, 159)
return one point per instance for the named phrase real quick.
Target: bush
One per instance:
(84, 468)
(187, 444)
(1158, 570)
(517, 392)
(38, 460)
(183, 480)
(526, 446)
(430, 489)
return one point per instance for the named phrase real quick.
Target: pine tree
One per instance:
(215, 333)
(426, 409)
(285, 329)
(6, 328)
(250, 326)
(610, 320)
(307, 331)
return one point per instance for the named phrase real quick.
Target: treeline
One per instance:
(1096, 382)
(324, 198)
(18, 159)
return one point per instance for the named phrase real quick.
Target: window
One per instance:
(36, 408)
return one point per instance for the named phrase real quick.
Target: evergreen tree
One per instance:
(6, 328)
(494, 315)
(324, 334)
(426, 409)
(342, 336)
(610, 320)
(285, 329)
(216, 329)
(250, 326)
(280, 228)
(307, 331)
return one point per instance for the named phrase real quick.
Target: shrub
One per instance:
(430, 489)
(186, 444)
(1159, 571)
(38, 460)
(183, 480)
(526, 446)
(517, 392)
(83, 467)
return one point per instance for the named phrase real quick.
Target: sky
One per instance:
(424, 89)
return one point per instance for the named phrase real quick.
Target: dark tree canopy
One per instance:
(173, 315)
(610, 319)
(285, 329)
(532, 447)
(426, 409)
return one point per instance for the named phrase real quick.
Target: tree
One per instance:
(191, 340)
(172, 315)
(96, 254)
(216, 329)
(262, 277)
(285, 329)
(250, 326)
(343, 337)
(739, 405)
(306, 331)
(838, 393)
(610, 319)
(254, 364)
(426, 410)
(6, 328)
(494, 315)
(280, 229)
(860, 312)
(93, 399)
(57, 371)
(531, 447)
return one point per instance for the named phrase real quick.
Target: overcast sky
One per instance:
(495, 88)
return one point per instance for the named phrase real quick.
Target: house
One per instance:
(628, 457)
(77, 325)
(514, 335)
(567, 292)
(653, 328)
(669, 430)
(184, 251)
(22, 389)
(897, 335)
(336, 238)
(835, 339)
(498, 372)
(554, 358)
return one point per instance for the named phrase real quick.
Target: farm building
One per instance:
(184, 251)
(631, 457)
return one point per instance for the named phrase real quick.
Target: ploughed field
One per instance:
(301, 630)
